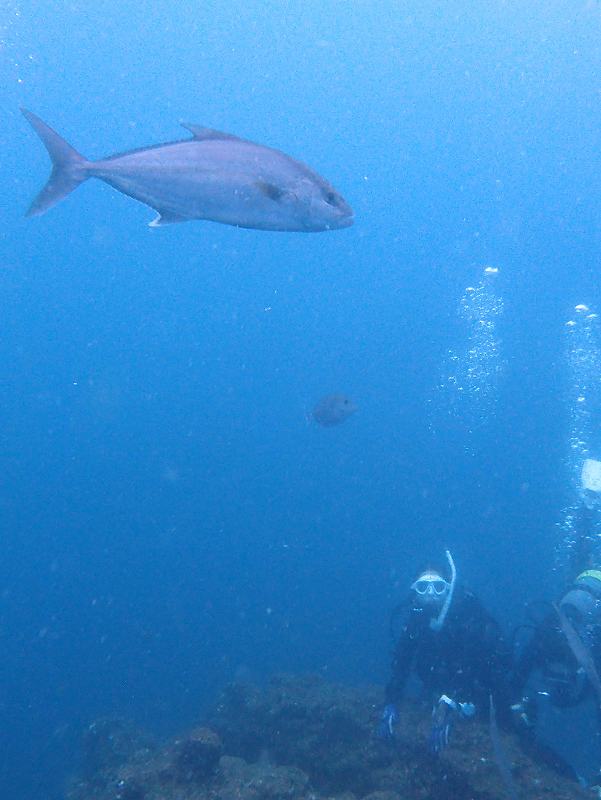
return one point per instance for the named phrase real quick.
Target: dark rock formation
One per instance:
(111, 741)
(196, 757)
(304, 739)
(238, 779)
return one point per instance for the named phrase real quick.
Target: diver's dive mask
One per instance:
(430, 584)
(434, 592)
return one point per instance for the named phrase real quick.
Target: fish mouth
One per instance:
(346, 215)
(338, 223)
(343, 221)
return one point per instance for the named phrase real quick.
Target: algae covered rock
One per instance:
(328, 731)
(259, 781)
(301, 738)
(111, 741)
(196, 756)
(324, 729)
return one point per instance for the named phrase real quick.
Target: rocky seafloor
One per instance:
(301, 738)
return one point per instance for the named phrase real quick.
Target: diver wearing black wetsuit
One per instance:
(548, 656)
(457, 650)
(467, 658)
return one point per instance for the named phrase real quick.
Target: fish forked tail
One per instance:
(69, 168)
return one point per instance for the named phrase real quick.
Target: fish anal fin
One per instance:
(270, 190)
(206, 134)
(166, 218)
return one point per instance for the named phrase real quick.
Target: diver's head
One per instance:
(582, 603)
(430, 590)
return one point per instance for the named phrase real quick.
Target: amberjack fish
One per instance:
(212, 176)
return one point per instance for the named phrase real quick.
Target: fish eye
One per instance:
(331, 199)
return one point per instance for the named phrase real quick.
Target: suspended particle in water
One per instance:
(11, 44)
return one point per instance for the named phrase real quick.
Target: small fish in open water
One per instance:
(333, 409)
(212, 176)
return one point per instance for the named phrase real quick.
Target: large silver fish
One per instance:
(212, 176)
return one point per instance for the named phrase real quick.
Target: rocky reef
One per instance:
(301, 738)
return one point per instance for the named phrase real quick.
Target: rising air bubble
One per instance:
(582, 402)
(468, 388)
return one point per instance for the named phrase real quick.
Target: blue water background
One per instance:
(169, 519)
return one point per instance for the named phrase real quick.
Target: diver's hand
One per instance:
(439, 733)
(439, 737)
(466, 710)
(524, 713)
(442, 718)
(390, 717)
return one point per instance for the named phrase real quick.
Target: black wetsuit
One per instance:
(467, 659)
(548, 658)
(548, 655)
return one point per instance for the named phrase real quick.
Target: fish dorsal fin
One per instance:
(206, 134)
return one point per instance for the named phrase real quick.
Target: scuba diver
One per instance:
(456, 649)
(562, 658)
(561, 661)
(549, 652)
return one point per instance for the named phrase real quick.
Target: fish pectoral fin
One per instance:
(206, 134)
(270, 190)
(166, 218)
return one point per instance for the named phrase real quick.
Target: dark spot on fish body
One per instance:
(270, 190)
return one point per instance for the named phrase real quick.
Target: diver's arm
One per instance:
(402, 662)
(492, 661)
(482, 627)
(530, 658)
